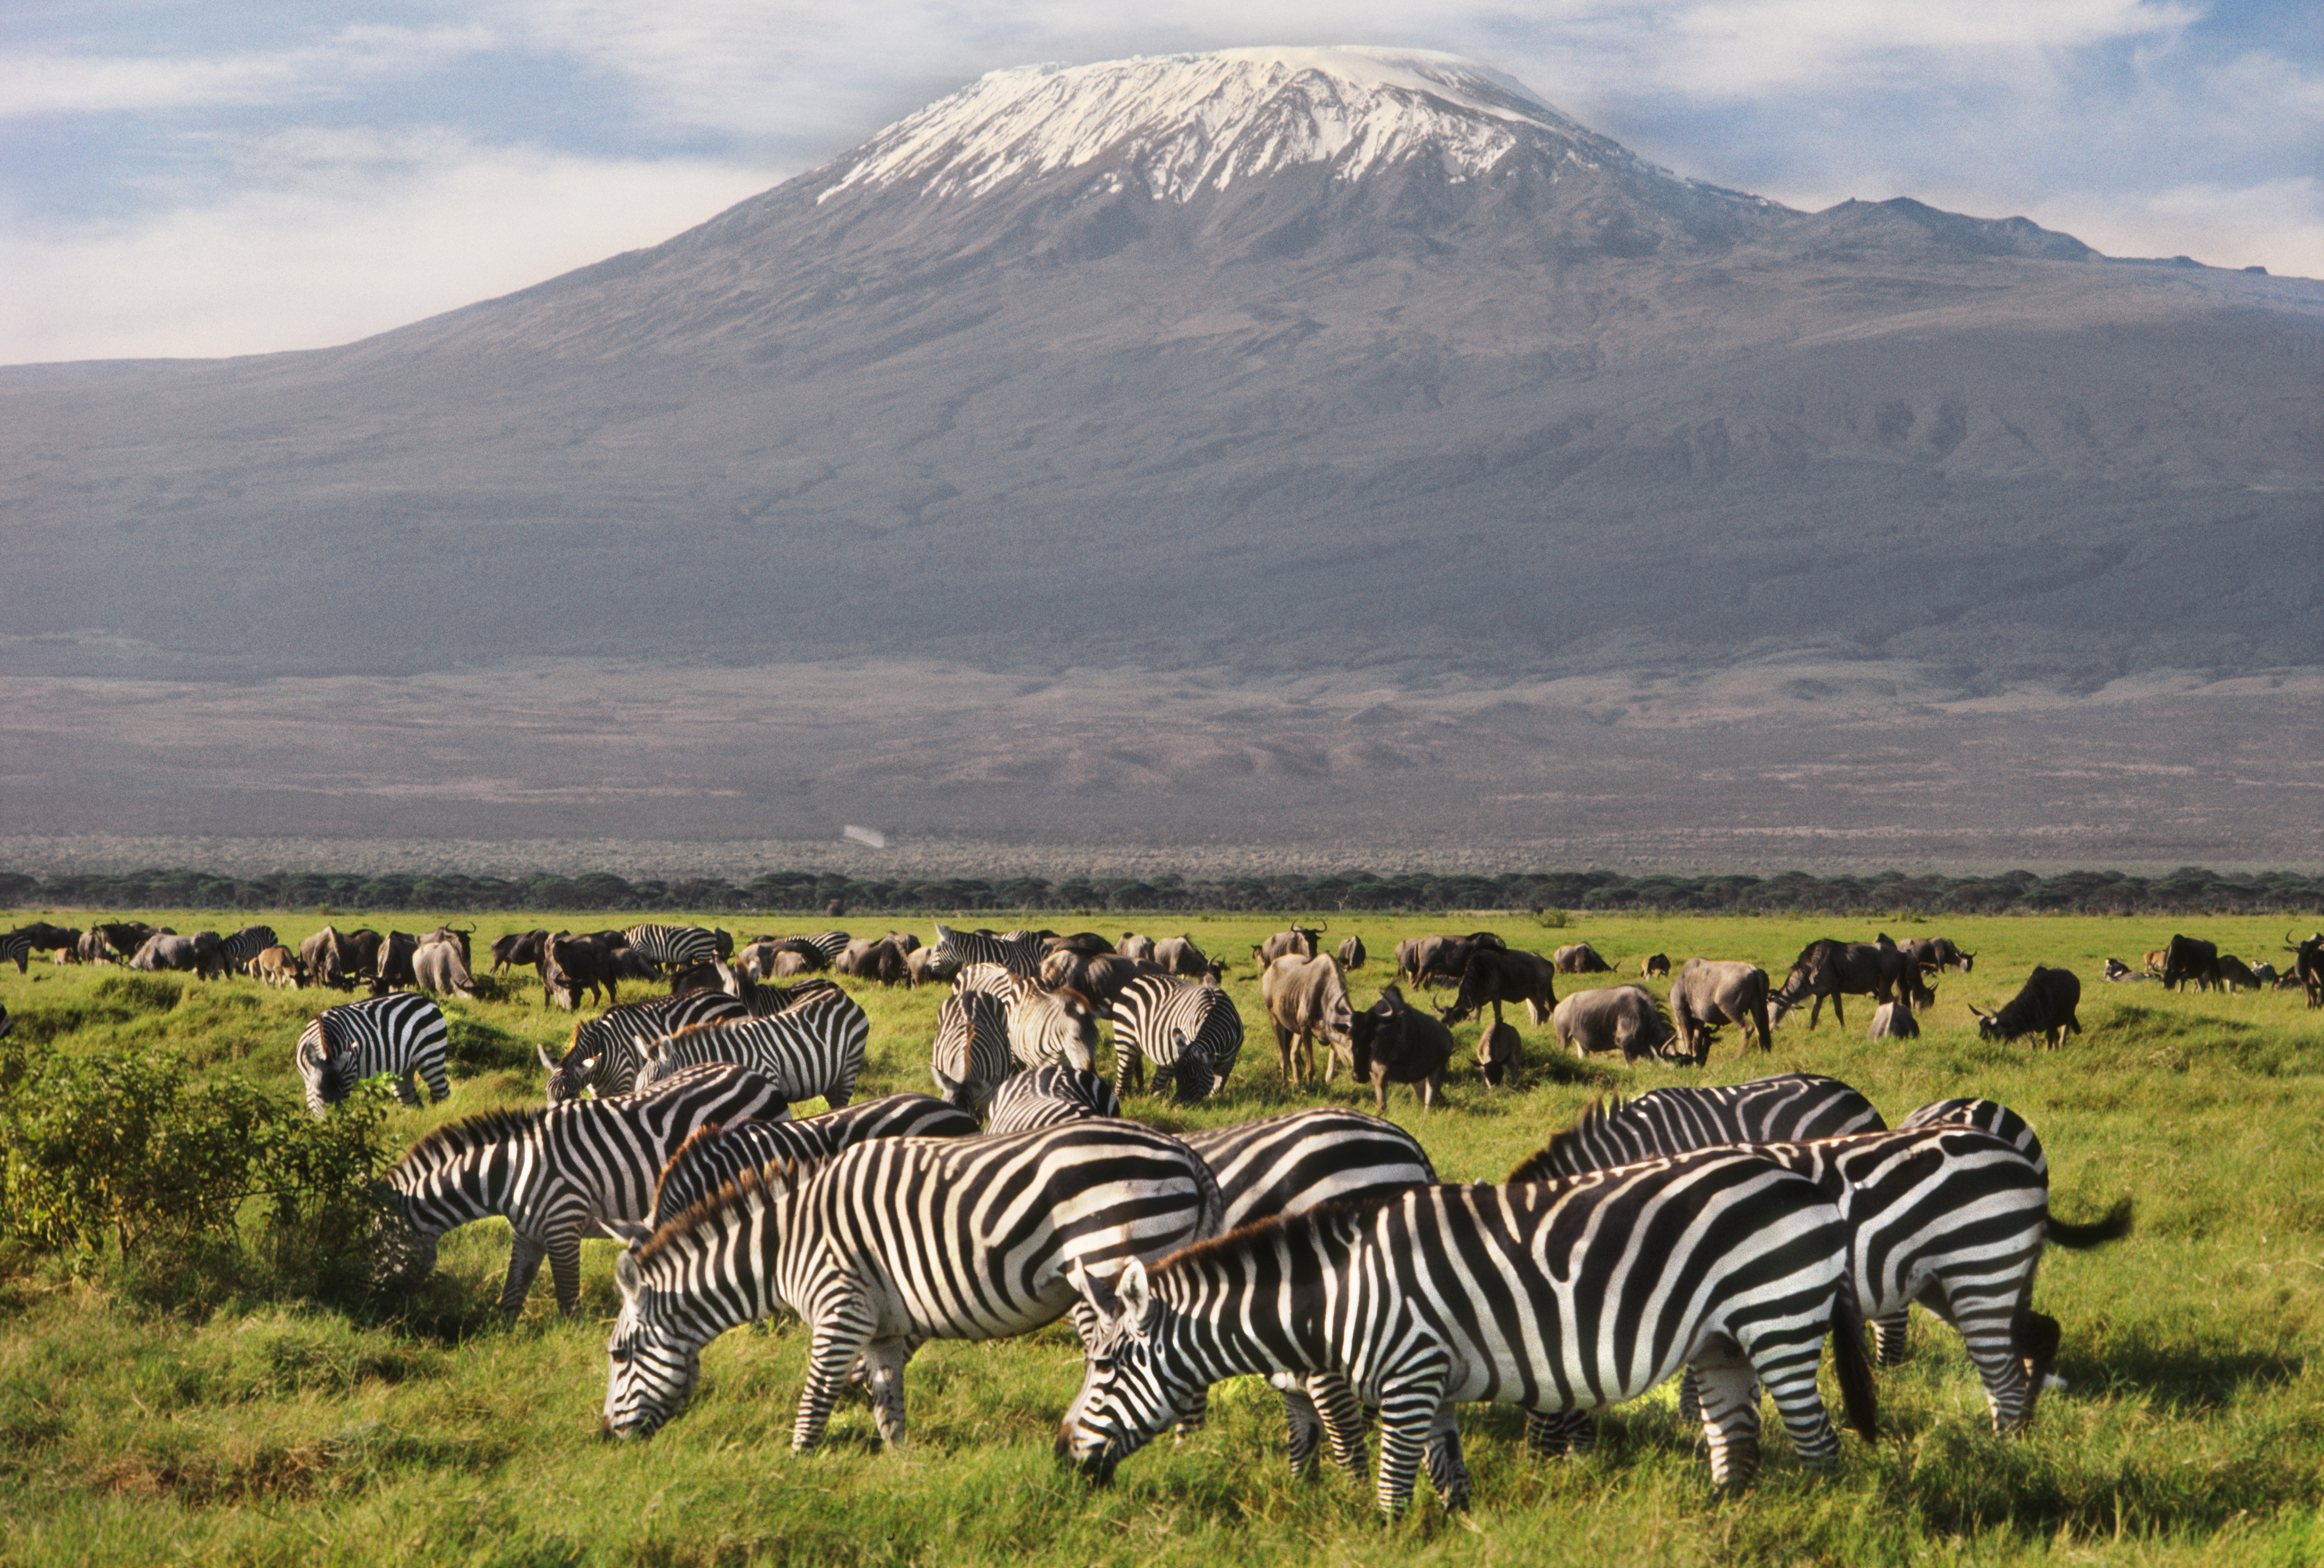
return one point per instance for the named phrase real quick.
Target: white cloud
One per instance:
(352, 235)
(34, 83)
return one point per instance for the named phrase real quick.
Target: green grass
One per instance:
(425, 1431)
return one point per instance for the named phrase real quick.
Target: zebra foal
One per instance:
(1550, 1295)
(888, 1245)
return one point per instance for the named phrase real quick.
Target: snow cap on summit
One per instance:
(1183, 123)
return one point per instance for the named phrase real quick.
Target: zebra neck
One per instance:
(1258, 1310)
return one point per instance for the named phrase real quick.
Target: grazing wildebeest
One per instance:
(1298, 942)
(440, 968)
(1304, 997)
(518, 947)
(1894, 1021)
(395, 961)
(923, 967)
(2235, 974)
(201, 953)
(1179, 955)
(2264, 973)
(325, 963)
(1441, 959)
(457, 936)
(2189, 958)
(1935, 953)
(570, 966)
(1621, 1017)
(1133, 946)
(1580, 958)
(1352, 952)
(1707, 992)
(123, 938)
(359, 953)
(1498, 974)
(1827, 970)
(1099, 976)
(1499, 1054)
(2044, 1005)
(2308, 966)
(868, 958)
(1392, 1042)
(1654, 964)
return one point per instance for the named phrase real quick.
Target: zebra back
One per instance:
(1155, 1012)
(814, 1048)
(398, 1034)
(246, 945)
(1986, 1116)
(714, 1154)
(766, 1001)
(608, 1050)
(1018, 953)
(970, 1054)
(1788, 1107)
(673, 946)
(1302, 1160)
(1049, 1096)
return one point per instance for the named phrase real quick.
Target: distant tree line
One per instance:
(2190, 890)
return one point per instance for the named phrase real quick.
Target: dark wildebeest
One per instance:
(1499, 1054)
(123, 938)
(1304, 997)
(73, 952)
(923, 967)
(1351, 951)
(1133, 946)
(1179, 955)
(1498, 974)
(1935, 953)
(2264, 973)
(359, 953)
(1654, 964)
(2044, 1005)
(1099, 976)
(1580, 958)
(1707, 992)
(202, 953)
(1620, 1017)
(570, 966)
(1828, 970)
(518, 947)
(1392, 1042)
(2308, 966)
(1298, 942)
(1088, 943)
(326, 962)
(395, 961)
(1440, 960)
(1894, 1021)
(2189, 958)
(879, 958)
(440, 968)
(2236, 975)
(456, 935)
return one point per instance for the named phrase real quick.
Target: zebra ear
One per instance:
(1131, 1285)
(626, 1276)
(1094, 1290)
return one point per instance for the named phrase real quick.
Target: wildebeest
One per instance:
(1133, 946)
(40, 937)
(868, 958)
(570, 966)
(1654, 964)
(1352, 952)
(122, 938)
(324, 962)
(2264, 973)
(1499, 1054)
(1620, 1017)
(1179, 955)
(2235, 974)
(1441, 959)
(2044, 1005)
(1304, 997)
(1826, 970)
(2190, 958)
(1934, 953)
(1088, 943)
(1707, 992)
(922, 967)
(441, 968)
(1498, 974)
(395, 961)
(2308, 966)
(1392, 1042)
(1297, 942)
(1580, 958)
(1099, 976)
(1894, 1021)
(359, 951)
(518, 947)
(202, 953)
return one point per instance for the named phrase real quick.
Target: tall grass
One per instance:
(421, 1429)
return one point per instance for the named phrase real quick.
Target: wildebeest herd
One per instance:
(1724, 1233)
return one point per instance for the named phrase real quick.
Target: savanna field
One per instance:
(237, 1403)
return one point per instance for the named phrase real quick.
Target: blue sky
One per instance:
(241, 176)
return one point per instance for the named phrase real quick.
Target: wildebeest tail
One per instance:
(1852, 1365)
(2113, 1227)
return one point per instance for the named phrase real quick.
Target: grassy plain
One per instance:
(421, 1430)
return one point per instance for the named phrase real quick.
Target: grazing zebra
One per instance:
(1548, 1295)
(608, 1050)
(1049, 1096)
(1988, 1116)
(715, 1154)
(673, 946)
(398, 1034)
(17, 948)
(1789, 1107)
(816, 1048)
(888, 1245)
(1154, 1013)
(970, 1056)
(1045, 1024)
(551, 1173)
(1018, 951)
(242, 949)
(830, 943)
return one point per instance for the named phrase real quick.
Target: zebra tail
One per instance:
(1854, 1367)
(2113, 1227)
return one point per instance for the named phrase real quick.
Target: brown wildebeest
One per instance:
(2307, 966)
(1179, 955)
(2235, 974)
(1304, 997)
(440, 967)
(1708, 993)
(1392, 1042)
(1438, 960)
(1827, 969)
(1351, 951)
(2190, 958)
(1654, 964)
(2044, 1005)
(1499, 1054)
(1499, 975)
(1620, 1017)
(1133, 946)
(1935, 953)
(1297, 942)
(1580, 958)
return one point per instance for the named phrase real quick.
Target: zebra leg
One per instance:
(1988, 1330)
(564, 1271)
(883, 1378)
(1892, 1338)
(836, 1343)
(1730, 1414)
(408, 1095)
(1555, 1434)
(1192, 1417)
(1303, 1426)
(524, 1262)
(1448, 1472)
(1411, 1413)
(439, 1087)
(1333, 1399)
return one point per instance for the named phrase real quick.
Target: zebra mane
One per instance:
(700, 1135)
(1543, 1165)
(455, 1139)
(1337, 1220)
(680, 1226)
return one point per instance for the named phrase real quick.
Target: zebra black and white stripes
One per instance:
(1155, 1013)
(673, 946)
(246, 945)
(1018, 953)
(814, 1048)
(17, 948)
(1573, 1294)
(715, 1155)
(1789, 1107)
(552, 1173)
(399, 1033)
(608, 1050)
(1988, 1116)
(970, 1056)
(1049, 1096)
(889, 1244)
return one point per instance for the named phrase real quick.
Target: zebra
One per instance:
(673, 946)
(1047, 1096)
(242, 949)
(1044, 1025)
(1987, 1115)
(970, 1056)
(714, 1154)
(1154, 1013)
(1018, 951)
(608, 1050)
(830, 943)
(1441, 1295)
(398, 1034)
(551, 1172)
(816, 1048)
(888, 1245)
(17, 948)
(1955, 1218)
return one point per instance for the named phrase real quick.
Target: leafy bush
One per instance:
(189, 1187)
